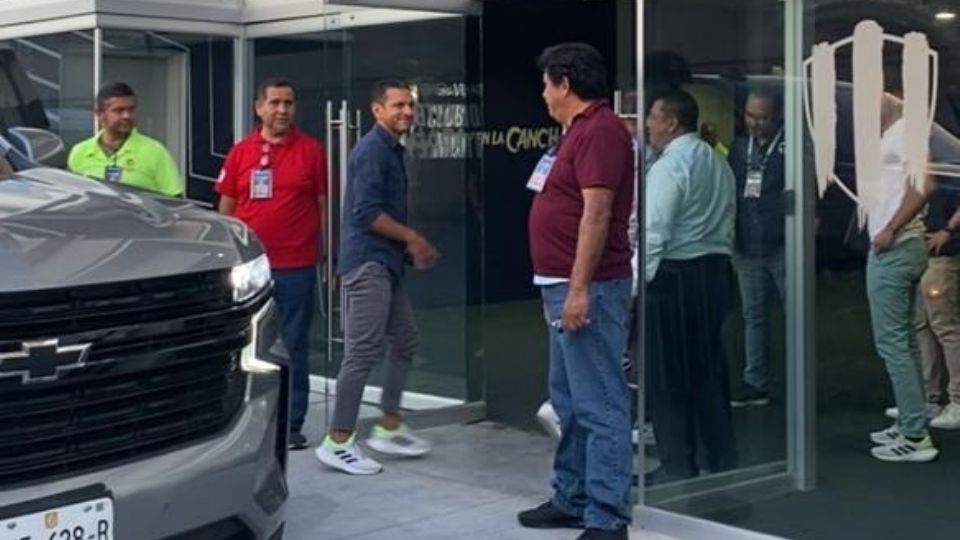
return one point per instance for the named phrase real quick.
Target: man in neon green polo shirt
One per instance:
(119, 153)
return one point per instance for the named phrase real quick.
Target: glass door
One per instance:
(334, 70)
(723, 312)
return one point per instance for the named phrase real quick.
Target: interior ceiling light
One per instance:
(945, 16)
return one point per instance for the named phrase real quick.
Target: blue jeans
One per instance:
(295, 292)
(755, 275)
(892, 279)
(593, 463)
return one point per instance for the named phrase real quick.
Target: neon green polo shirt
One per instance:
(145, 163)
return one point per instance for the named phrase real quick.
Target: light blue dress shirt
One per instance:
(691, 204)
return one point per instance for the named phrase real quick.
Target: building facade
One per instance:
(804, 467)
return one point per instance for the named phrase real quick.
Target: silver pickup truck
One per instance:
(143, 389)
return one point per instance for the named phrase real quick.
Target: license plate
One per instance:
(90, 520)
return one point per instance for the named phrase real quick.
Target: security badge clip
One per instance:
(754, 184)
(113, 174)
(538, 179)
(261, 184)
(261, 178)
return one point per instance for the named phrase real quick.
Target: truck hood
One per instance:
(58, 230)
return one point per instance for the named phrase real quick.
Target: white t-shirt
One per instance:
(892, 184)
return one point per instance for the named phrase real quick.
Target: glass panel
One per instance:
(184, 87)
(339, 67)
(877, 73)
(47, 82)
(301, 59)
(716, 263)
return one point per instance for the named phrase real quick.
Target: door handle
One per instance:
(335, 126)
(342, 130)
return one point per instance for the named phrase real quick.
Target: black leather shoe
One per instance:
(296, 441)
(548, 516)
(604, 534)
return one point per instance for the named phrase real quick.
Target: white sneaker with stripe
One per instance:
(398, 442)
(891, 435)
(347, 457)
(907, 451)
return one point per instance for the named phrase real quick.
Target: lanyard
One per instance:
(265, 156)
(555, 148)
(115, 154)
(770, 148)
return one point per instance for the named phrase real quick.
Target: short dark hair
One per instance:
(112, 90)
(774, 96)
(378, 92)
(581, 64)
(273, 82)
(681, 105)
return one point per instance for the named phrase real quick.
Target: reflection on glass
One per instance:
(716, 264)
(184, 87)
(880, 164)
(897, 153)
(690, 213)
(334, 67)
(47, 82)
(757, 162)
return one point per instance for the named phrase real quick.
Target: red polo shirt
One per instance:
(596, 152)
(288, 223)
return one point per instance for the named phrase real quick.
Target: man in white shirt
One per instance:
(897, 259)
(689, 216)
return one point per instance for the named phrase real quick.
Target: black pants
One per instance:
(688, 389)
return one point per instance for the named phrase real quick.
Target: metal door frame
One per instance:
(801, 460)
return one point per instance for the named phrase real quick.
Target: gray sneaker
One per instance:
(398, 442)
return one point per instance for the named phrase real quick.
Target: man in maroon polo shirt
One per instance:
(275, 181)
(581, 261)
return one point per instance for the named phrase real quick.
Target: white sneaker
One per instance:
(399, 442)
(549, 420)
(888, 436)
(347, 457)
(907, 451)
(949, 417)
(933, 409)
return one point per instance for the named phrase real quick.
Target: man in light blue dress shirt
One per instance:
(690, 213)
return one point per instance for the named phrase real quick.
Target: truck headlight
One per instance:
(250, 278)
(264, 328)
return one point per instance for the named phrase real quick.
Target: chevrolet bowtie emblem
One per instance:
(42, 361)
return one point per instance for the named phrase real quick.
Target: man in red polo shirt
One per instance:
(581, 261)
(275, 181)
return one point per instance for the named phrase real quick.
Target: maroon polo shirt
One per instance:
(596, 152)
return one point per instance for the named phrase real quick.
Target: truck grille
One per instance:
(162, 370)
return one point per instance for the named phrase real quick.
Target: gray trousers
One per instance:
(378, 318)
